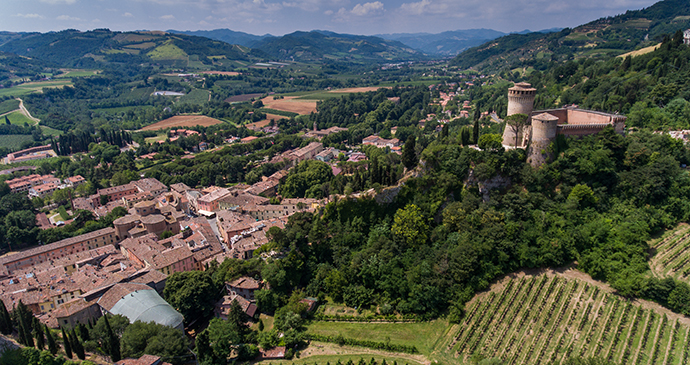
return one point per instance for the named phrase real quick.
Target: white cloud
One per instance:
(328, 12)
(365, 9)
(55, 2)
(128, 15)
(67, 17)
(30, 16)
(424, 7)
(360, 10)
(168, 17)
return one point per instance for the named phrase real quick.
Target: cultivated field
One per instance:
(546, 319)
(641, 51)
(31, 87)
(242, 98)
(263, 123)
(672, 254)
(14, 141)
(228, 73)
(182, 121)
(289, 104)
(358, 89)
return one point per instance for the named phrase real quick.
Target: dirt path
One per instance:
(26, 112)
(324, 348)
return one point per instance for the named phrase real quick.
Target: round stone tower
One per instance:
(521, 98)
(520, 101)
(544, 129)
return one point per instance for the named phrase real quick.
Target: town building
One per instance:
(59, 249)
(243, 287)
(210, 202)
(30, 154)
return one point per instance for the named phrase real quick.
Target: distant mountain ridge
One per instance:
(226, 35)
(445, 43)
(604, 37)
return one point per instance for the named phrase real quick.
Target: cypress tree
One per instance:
(52, 345)
(38, 334)
(113, 342)
(409, 155)
(77, 345)
(25, 323)
(475, 132)
(5, 320)
(83, 332)
(66, 344)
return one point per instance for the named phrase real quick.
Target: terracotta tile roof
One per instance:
(56, 245)
(245, 282)
(117, 292)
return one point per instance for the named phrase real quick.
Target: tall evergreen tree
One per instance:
(52, 345)
(24, 323)
(475, 132)
(66, 344)
(77, 346)
(113, 342)
(38, 334)
(409, 155)
(5, 320)
(83, 332)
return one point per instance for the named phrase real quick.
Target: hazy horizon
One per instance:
(282, 17)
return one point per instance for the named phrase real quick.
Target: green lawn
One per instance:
(423, 335)
(14, 140)
(9, 105)
(47, 131)
(19, 118)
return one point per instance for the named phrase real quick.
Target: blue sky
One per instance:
(285, 16)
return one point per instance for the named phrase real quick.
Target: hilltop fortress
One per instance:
(544, 125)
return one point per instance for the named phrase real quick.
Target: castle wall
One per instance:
(578, 116)
(581, 130)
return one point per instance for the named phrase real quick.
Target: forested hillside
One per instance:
(320, 45)
(93, 49)
(598, 39)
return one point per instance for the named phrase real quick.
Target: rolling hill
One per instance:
(322, 45)
(226, 35)
(601, 38)
(93, 49)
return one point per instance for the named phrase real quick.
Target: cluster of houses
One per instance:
(122, 269)
(42, 185)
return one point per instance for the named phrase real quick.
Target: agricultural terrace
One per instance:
(547, 319)
(182, 121)
(528, 319)
(672, 254)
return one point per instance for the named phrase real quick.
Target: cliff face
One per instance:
(498, 182)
